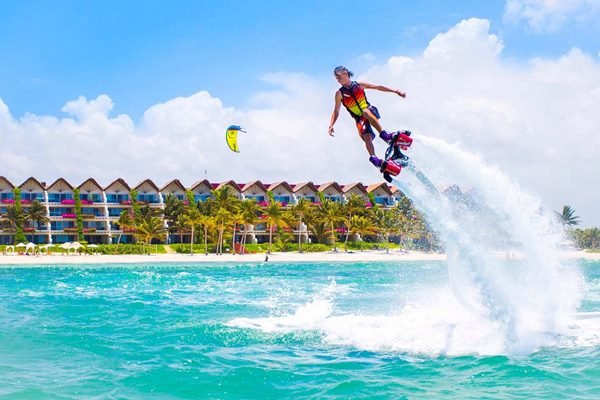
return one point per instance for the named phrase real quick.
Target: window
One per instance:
(58, 197)
(148, 198)
(115, 212)
(33, 196)
(282, 199)
(117, 198)
(201, 197)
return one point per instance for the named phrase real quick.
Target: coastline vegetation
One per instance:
(226, 224)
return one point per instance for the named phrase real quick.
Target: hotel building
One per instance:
(101, 206)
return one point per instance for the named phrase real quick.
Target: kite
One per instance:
(231, 137)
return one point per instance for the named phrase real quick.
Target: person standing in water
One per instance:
(352, 95)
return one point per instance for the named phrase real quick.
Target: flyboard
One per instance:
(394, 159)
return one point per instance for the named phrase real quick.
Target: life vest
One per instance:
(354, 99)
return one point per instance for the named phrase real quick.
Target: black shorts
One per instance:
(363, 125)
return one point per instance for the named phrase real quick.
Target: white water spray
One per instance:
(532, 296)
(495, 304)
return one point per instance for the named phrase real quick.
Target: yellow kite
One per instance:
(231, 137)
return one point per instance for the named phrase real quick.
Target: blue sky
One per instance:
(144, 52)
(148, 87)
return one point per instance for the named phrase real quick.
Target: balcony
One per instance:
(96, 232)
(91, 216)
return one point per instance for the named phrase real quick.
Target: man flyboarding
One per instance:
(352, 95)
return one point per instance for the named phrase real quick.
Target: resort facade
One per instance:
(100, 207)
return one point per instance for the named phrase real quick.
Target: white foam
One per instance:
(532, 299)
(490, 306)
(434, 324)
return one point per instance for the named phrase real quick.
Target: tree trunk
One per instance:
(192, 242)
(270, 238)
(233, 240)
(333, 238)
(205, 240)
(347, 233)
(387, 244)
(300, 236)
(243, 241)
(220, 242)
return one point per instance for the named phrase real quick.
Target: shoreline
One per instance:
(339, 256)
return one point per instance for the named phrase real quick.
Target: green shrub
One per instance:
(316, 247)
(126, 249)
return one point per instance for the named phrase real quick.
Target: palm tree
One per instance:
(172, 211)
(125, 221)
(567, 218)
(409, 221)
(225, 204)
(14, 219)
(206, 209)
(587, 238)
(362, 225)
(145, 212)
(150, 228)
(237, 218)
(300, 210)
(192, 218)
(36, 214)
(222, 198)
(273, 214)
(250, 212)
(222, 219)
(593, 237)
(387, 224)
(330, 213)
(179, 226)
(354, 204)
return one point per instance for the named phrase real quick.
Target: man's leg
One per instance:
(368, 139)
(365, 131)
(374, 121)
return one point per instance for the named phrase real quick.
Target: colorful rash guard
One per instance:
(354, 99)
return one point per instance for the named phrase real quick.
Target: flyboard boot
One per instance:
(401, 139)
(395, 160)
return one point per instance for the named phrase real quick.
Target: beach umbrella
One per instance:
(92, 246)
(76, 245)
(66, 245)
(21, 245)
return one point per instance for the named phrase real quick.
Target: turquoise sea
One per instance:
(277, 330)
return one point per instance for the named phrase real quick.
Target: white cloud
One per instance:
(538, 120)
(550, 15)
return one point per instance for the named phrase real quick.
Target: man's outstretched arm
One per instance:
(381, 88)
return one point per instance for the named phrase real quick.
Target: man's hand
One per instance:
(400, 93)
(330, 131)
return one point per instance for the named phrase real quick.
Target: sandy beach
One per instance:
(340, 256)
